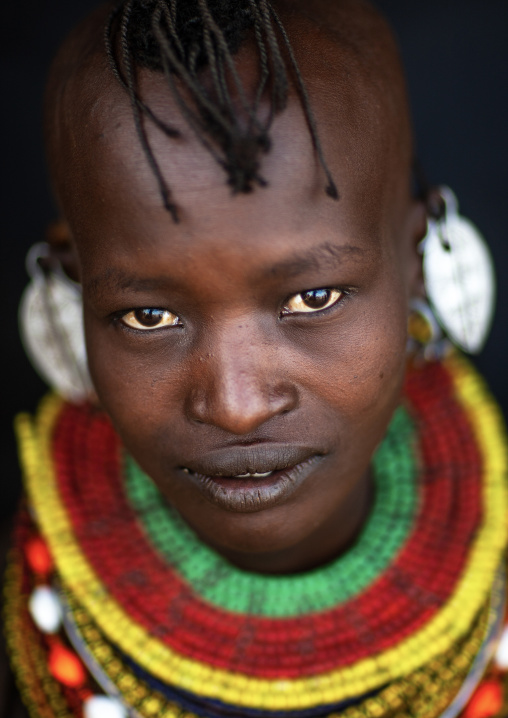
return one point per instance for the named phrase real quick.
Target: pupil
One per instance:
(316, 298)
(148, 317)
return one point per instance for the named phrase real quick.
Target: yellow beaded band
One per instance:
(441, 678)
(449, 625)
(425, 693)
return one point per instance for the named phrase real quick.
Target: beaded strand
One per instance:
(441, 677)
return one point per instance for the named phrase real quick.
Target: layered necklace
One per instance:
(115, 608)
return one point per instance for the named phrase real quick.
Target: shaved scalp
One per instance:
(223, 88)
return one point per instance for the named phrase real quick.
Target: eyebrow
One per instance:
(315, 258)
(115, 278)
(325, 254)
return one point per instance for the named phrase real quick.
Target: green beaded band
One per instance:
(215, 580)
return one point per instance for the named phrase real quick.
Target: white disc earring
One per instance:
(459, 276)
(51, 328)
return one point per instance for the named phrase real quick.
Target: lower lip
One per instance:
(249, 495)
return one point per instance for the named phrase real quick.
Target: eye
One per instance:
(314, 300)
(148, 318)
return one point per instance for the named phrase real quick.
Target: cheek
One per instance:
(360, 368)
(128, 382)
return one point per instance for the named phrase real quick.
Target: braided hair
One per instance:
(182, 37)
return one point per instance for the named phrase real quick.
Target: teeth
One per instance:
(239, 476)
(254, 476)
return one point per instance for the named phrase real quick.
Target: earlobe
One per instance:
(63, 248)
(417, 230)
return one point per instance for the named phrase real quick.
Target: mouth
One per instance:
(252, 480)
(265, 475)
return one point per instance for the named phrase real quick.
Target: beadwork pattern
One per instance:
(428, 687)
(414, 611)
(443, 674)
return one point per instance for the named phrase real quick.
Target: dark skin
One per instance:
(237, 369)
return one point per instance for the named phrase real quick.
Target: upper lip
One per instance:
(234, 461)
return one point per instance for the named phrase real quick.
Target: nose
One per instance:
(240, 383)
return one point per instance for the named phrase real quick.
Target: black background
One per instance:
(456, 57)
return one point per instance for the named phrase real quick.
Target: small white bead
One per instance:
(45, 609)
(103, 707)
(501, 657)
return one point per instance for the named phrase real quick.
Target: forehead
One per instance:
(107, 186)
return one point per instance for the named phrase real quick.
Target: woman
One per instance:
(247, 341)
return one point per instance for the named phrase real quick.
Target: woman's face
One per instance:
(251, 356)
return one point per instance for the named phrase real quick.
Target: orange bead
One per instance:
(66, 667)
(486, 701)
(38, 556)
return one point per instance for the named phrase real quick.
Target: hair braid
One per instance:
(181, 38)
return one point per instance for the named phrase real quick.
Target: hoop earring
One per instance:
(458, 274)
(51, 328)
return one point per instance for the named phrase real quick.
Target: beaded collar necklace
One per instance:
(402, 623)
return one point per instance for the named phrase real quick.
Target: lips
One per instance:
(250, 479)
(241, 460)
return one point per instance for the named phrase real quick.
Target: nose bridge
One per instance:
(241, 383)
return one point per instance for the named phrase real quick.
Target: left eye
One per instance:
(314, 300)
(148, 318)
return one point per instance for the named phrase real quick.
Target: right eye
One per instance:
(149, 318)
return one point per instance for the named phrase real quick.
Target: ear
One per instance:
(63, 248)
(416, 229)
